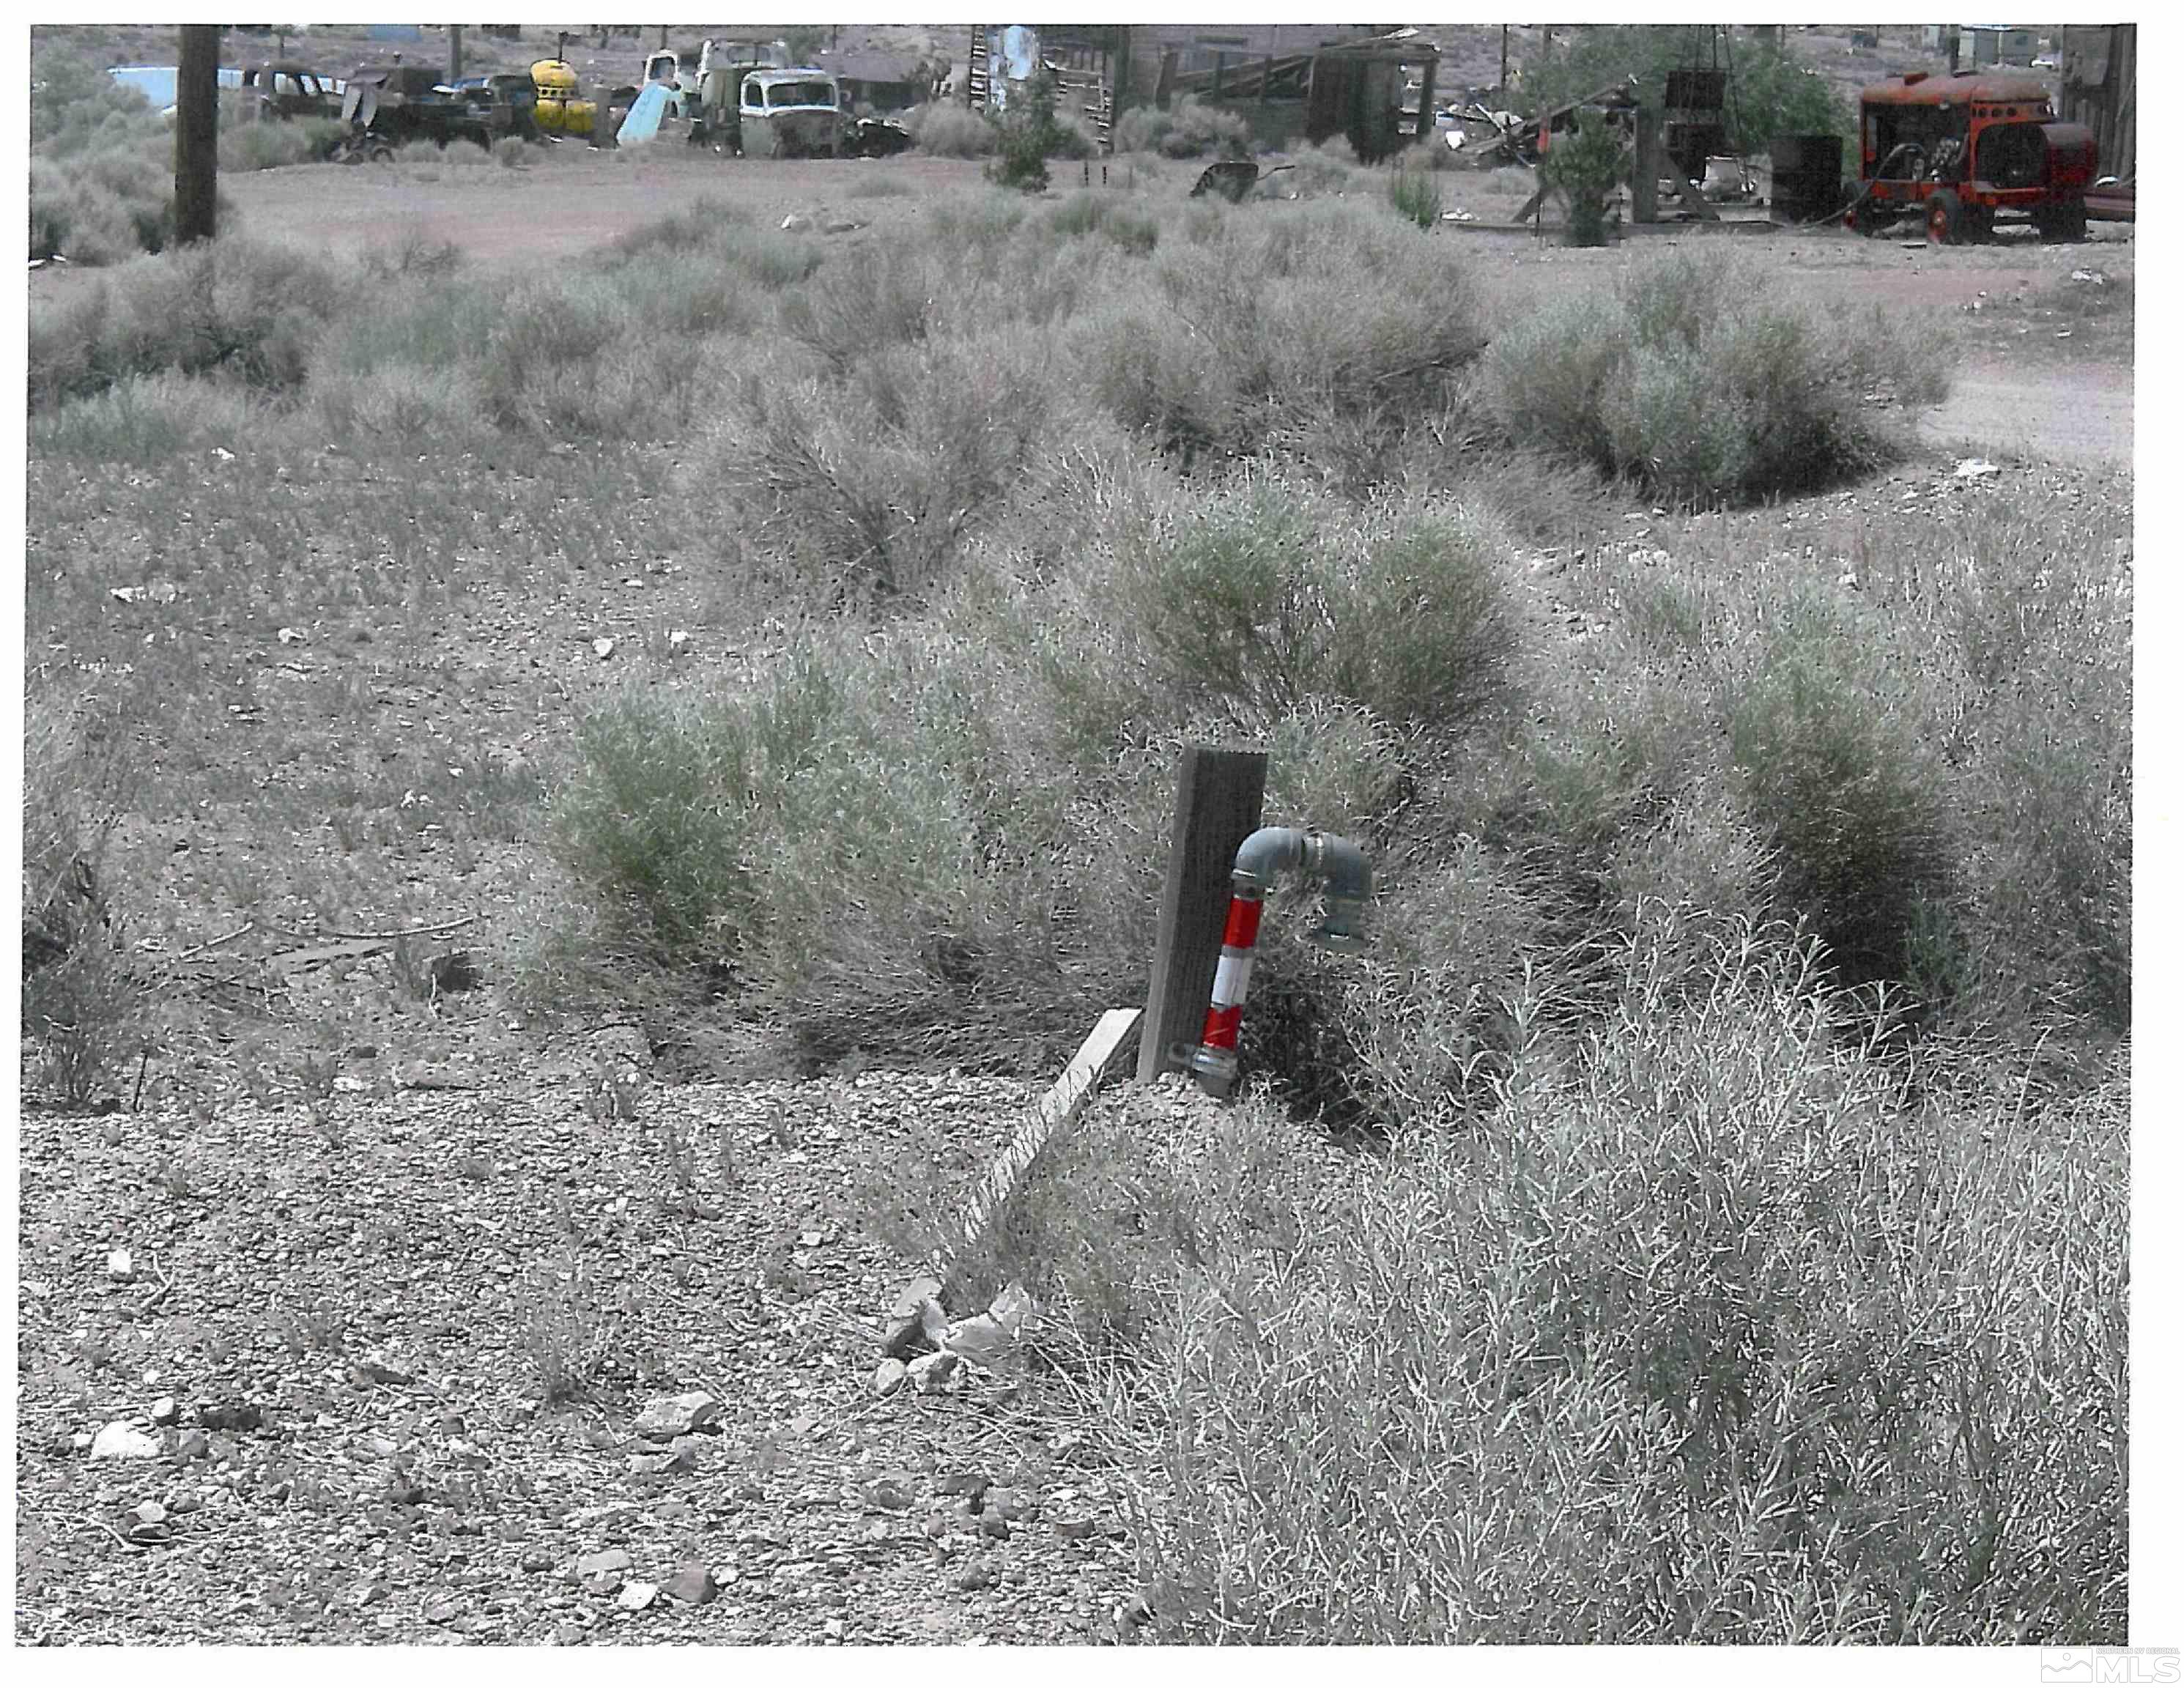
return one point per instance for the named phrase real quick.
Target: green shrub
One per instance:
(1692, 1296)
(1692, 379)
(1091, 211)
(1187, 130)
(952, 131)
(1415, 195)
(250, 312)
(1585, 165)
(82, 1007)
(1029, 136)
(1847, 793)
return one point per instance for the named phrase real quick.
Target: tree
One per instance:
(1770, 94)
(1585, 162)
(1029, 136)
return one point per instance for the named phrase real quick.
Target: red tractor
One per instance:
(1959, 149)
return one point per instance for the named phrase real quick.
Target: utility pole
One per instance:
(454, 53)
(196, 133)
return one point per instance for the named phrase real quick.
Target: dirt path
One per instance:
(2080, 413)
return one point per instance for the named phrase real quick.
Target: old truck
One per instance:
(1960, 151)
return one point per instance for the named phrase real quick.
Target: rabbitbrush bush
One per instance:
(1693, 378)
(1706, 1333)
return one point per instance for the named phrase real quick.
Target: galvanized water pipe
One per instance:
(1268, 852)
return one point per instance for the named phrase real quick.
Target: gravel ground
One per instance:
(325, 1335)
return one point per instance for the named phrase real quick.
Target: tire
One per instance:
(382, 154)
(1945, 219)
(2061, 223)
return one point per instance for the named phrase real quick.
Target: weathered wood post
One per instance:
(1220, 792)
(197, 134)
(454, 53)
(1646, 168)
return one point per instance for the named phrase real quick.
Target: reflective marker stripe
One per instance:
(1232, 978)
(1224, 1018)
(1242, 931)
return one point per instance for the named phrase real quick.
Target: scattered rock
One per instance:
(993, 1523)
(120, 1440)
(982, 1340)
(1008, 1503)
(892, 1491)
(537, 1559)
(1077, 1529)
(443, 1610)
(149, 1513)
(915, 1328)
(164, 1409)
(80, 1442)
(940, 1374)
(636, 1596)
(692, 1585)
(568, 1635)
(888, 1376)
(236, 1416)
(671, 1416)
(120, 1265)
(970, 1485)
(603, 1572)
(972, 1577)
(1976, 469)
(1012, 1310)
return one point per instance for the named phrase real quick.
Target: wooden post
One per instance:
(1645, 169)
(197, 134)
(454, 53)
(1219, 792)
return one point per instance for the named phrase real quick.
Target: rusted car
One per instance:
(1961, 150)
(286, 88)
(789, 115)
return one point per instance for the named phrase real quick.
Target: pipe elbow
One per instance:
(1266, 855)
(1336, 863)
(1348, 876)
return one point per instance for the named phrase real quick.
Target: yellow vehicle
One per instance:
(560, 111)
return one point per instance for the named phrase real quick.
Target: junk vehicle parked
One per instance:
(1961, 150)
(789, 115)
(288, 88)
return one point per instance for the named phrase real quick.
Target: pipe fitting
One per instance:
(1271, 852)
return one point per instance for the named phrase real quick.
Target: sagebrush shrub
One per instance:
(1692, 379)
(1848, 796)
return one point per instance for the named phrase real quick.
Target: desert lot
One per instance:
(294, 1302)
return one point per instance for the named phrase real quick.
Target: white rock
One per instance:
(940, 1374)
(982, 1339)
(603, 649)
(888, 1376)
(671, 1416)
(636, 1596)
(121, 1440)
(164, 1409)
(1012, 1309)
(120, 1265)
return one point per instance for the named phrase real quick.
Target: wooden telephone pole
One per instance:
(196, 133)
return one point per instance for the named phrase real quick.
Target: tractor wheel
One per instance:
(1945, 219)
(2061, 222)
